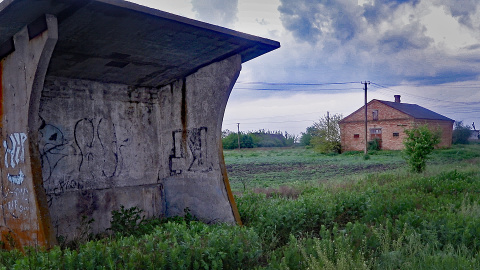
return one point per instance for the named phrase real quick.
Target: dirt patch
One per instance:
(304, 169)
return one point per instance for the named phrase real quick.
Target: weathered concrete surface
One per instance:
(106, 103)
(106, 145)
(195, 113)
(24, 219)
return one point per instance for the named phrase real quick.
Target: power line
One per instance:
(298, 84)
(277, 116)
(274, 122)
(426, 98)
(292, 86)
(297, 90)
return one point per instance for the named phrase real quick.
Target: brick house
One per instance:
(387, 121)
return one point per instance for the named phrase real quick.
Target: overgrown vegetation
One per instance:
(363, 220)
(419, 143)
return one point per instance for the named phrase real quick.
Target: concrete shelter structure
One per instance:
(107, 103)
(387, 122)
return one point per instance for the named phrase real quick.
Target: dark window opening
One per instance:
(375, 115)
(356, 135)
(396, 134)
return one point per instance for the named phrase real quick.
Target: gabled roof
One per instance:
(417, 112)
(413, 110)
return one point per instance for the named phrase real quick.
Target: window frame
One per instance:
(375, 115)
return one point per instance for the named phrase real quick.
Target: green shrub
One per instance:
(419, 143)
(128, 221)
(374, 145)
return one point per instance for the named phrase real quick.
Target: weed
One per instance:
(129, 222)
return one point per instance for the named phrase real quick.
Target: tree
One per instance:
(419, 143)
(307, 136)
(230, 141)
(326, 134)
(259, 138)
(461, 133)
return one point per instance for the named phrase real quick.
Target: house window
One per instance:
(356, 135)
(375, 115)
(396, 134)
(375, 131)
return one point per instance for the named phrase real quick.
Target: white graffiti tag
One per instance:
(16, 179)
(17, 150)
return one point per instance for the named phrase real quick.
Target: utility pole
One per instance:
(366, 140)
(238, 135)
(328, 125)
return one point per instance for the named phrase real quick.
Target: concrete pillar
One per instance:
(197, 177)
(24, 219)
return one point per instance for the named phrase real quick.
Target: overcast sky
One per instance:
(427, 51)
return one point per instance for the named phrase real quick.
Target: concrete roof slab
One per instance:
(121, 42)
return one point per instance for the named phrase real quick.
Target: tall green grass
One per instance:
(376, 220)
(381, 222)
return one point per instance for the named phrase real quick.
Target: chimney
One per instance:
(397, 98)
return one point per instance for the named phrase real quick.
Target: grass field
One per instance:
(303, 210)
(271, 168)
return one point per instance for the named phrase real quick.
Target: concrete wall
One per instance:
(24, 216)
(104, 145)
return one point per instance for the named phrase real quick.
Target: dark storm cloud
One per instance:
(447, 76)
(312, 21)
(410, 37)
(379, 11)
(220, 12)
(342, 20)
(381, 40)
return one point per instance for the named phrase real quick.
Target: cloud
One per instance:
(465, 11)
(219, 12)
(379, 40)
(313, 21)
(410, 37)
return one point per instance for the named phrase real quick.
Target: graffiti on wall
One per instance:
(99, 147)
(90, 149)
(54, 149)
(15, 196)
(14, 147)
(17, 201)
(189, 152)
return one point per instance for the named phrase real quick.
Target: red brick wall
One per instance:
(445, 126)
(390, 121)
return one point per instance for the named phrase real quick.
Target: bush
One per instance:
(461, 133)
(231, 141)
(419, 143)
(374, 145)
(324, 146)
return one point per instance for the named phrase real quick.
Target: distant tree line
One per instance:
(260, 138)
(323, 136)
